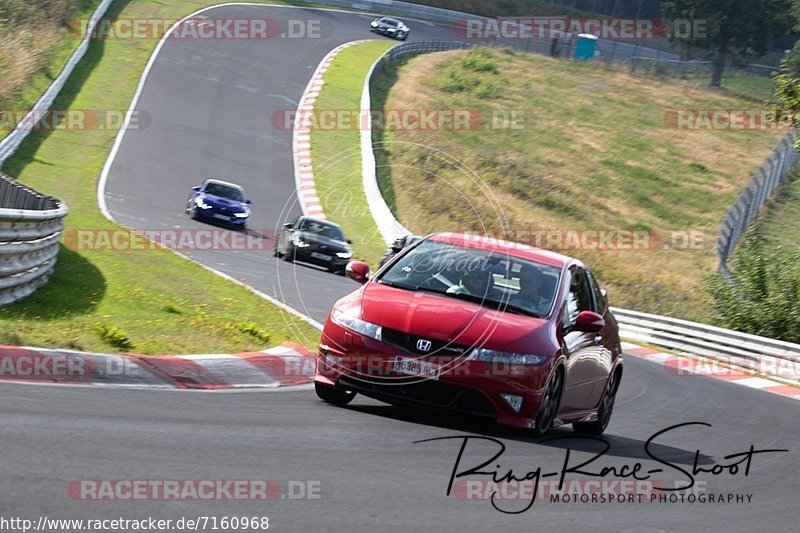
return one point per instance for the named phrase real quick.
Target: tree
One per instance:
(731, 28)
(787, 93)
(760, 296)
(787, 81)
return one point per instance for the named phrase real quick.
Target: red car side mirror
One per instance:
(589, 321)
(357, 271)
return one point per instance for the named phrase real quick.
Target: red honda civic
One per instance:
(479, 326)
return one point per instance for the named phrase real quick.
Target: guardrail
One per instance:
(731, 347)
(389, 227)
(11, 142)
(744, 210)
(30, 232)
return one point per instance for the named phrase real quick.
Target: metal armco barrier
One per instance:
(389, 227)
(732, 347)
(30, 232)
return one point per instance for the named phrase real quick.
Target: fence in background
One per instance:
(631, 52)
(744, 210)
(30, 232)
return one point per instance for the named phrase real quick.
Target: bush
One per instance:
(115, 337)
(477, 72)
(456, 81)
(173, 309)
(488, 90)
(762, 293)
(479, 60)
(250, 328)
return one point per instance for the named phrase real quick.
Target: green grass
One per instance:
(779, 222)
(595, 151)
(147, 301)
(336, 153)
(757, 88)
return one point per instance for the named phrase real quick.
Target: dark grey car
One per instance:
(390, 27)
(314, 241)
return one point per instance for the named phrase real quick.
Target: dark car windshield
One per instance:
(324, 230)
(224, 191)
(390, 22)
(491, 279)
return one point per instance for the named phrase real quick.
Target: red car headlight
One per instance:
(368, 329)
(510, 358)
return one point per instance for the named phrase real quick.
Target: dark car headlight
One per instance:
(243, 214)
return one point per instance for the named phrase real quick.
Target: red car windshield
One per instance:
(490, 279)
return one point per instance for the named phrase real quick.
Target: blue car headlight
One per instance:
(510, 358)
(201, 204)
(243, 214)
(368, 329)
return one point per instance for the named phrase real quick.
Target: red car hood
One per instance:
(449, 319)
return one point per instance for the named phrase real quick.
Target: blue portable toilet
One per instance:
(586, 47)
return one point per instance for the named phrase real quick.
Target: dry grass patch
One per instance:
(594, 152)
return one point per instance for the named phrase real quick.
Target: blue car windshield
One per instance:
(224, 191)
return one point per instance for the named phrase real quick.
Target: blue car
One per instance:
(220, 202)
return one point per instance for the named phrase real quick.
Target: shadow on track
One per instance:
(619, 446)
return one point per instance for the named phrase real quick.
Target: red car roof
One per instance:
(493, 244)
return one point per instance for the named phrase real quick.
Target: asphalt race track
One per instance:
(211, 103)
(373, 477)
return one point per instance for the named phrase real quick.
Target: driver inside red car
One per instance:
(477, 281)
(530, 291)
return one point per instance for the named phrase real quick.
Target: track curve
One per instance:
(211, 102)
(373, 477)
